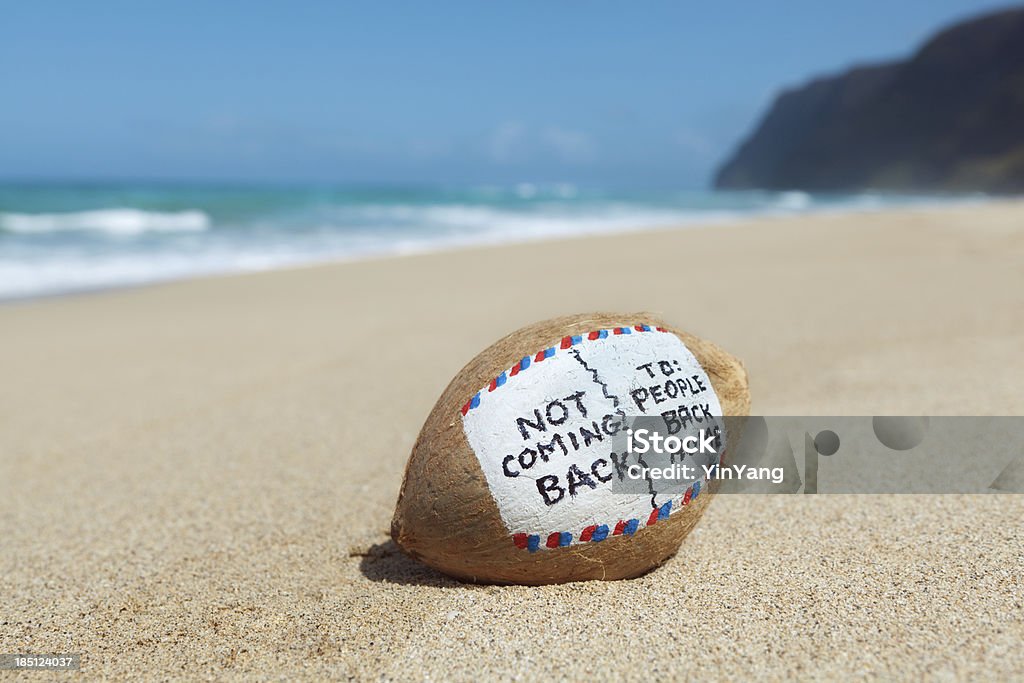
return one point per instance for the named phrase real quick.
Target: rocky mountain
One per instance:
(949, 118)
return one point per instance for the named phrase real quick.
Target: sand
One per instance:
(198, 478)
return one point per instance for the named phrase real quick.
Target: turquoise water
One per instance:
(66, 238)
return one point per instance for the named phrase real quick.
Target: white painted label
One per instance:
(536, 432)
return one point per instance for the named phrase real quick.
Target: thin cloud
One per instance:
(514, 142)
(570, 146)
(506, 145)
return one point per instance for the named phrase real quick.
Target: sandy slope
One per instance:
(197, 478)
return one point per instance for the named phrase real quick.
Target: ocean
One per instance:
(76, 237)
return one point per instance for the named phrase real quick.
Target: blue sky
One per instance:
(601, 93)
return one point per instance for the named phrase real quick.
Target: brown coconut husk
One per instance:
(447, 518)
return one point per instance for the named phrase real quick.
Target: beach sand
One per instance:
(198, 478)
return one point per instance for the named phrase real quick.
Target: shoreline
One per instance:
(481, 243)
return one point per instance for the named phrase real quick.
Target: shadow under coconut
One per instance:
(386, 563)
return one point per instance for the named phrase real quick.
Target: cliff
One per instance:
(949, 118)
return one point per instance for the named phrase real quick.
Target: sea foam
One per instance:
(118, 221)
(56, 239)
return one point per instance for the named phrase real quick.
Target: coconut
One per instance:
(518, 472)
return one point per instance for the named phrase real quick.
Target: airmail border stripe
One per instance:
(596, 533)
(567, 342)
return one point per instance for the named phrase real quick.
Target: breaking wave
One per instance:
(117, 221)
(65, 239)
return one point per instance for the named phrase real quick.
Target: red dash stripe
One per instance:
(617, 330)
(660, 329)
(520, 540)
(566, 342)
(686, 498)
(638, 328)
(465, 408)
(619, 528)
(553, 540)
(594, 335)
(514, 371)
(653, 518)
(588, 532)
(539, 357)
(494, 384)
